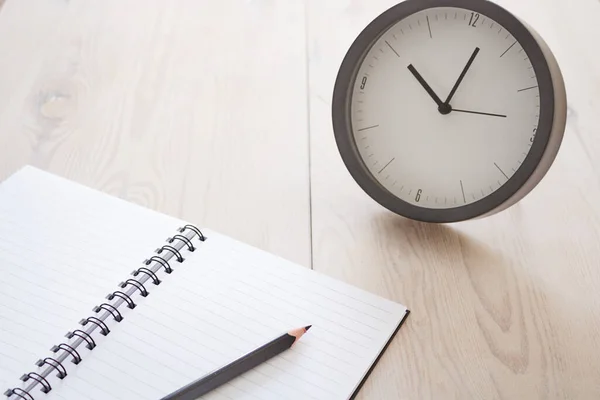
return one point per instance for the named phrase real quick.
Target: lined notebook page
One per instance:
(226, 299)
(63, 248)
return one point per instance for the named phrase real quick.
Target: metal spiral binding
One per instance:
(20, 393)
(148, 272)
(62, 371)
(123, 296)
(139, 286)
(85, 336)
(106, 311)
(69, 349)
(38, 378)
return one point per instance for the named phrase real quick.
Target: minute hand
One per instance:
(462, 75)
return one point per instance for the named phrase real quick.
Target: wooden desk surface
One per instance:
(219, 112)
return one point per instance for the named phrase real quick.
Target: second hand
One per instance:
(480, 113)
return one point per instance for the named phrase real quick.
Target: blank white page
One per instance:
(224, 300)
(63, 248)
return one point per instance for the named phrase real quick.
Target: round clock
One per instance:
(448, 110)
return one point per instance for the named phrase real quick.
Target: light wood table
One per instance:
(219, 112)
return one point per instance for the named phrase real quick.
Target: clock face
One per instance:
(450, 155)
(443, 110)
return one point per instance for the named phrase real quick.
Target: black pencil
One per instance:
(232, 370)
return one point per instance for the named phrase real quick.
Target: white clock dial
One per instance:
(419, 151)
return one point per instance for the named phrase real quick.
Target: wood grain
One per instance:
(185, 107)
(199, 109)
(502, 308)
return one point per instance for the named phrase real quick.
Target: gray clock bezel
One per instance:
(343, 132)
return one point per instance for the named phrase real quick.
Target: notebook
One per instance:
(105, 299)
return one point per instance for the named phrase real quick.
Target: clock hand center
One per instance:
(445, 109)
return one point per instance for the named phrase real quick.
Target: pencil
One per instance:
(235, 368)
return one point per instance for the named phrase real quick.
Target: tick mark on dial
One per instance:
(500, 30)
(482, 194)
(387, 165)
(500, 169)
(511, 46)
(390, 46)
(410, 26)
(472, 195)
(394, 35)
(409, 193)
(429, 26)
(368, 127)
(370, 155)
(463, 193)
(402, 31)
(455, 15)
(507, 36)
(446, 15)
(492, 25)
(419, 22)
(499, 184)
(436, 17)
(514, 170)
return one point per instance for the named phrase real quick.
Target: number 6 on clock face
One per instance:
(448, 110)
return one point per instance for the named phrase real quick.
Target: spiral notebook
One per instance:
(103, 299)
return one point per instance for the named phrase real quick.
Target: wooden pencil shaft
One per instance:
(232, 370)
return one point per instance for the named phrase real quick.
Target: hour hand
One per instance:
(426, 86)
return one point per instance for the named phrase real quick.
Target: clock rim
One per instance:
(507, 194)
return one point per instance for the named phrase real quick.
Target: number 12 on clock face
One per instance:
(473, 20)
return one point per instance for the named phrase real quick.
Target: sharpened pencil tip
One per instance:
(307, 327)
